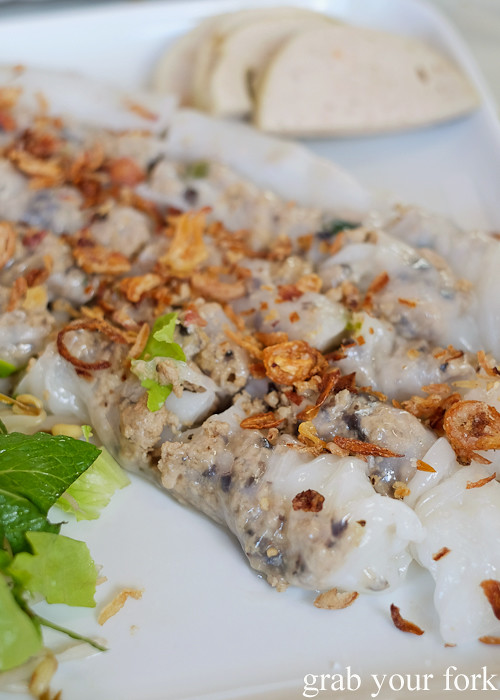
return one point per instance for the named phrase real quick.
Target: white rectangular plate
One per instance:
(207, 626)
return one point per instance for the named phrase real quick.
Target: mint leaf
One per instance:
(157, 393)
(34, 471)
(17, 515)
(20, 638)
(160, 342)
(40, 467)
(92, 491)
(60, 568)
(6, 369)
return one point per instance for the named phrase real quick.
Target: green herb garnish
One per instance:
(161, 340)
(159, 344)
(92, 491)
(20, 637)
(334, 227)
(34, 471)
(198, 169)
(60, 569)
(6, 369)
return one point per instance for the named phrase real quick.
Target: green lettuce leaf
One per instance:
(5, 559)
(160, 342)
(157, 394)
(34, 471)
(20, 637)
(60, 568)
(92, 491)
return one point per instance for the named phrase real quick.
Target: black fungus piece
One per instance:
(153, 163)
(41, 210)
(338, 526)
(352, 422)
(191, 196)
(225, 482)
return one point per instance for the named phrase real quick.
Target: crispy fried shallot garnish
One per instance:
(308, 435)
(292, 395)
(9, 96)
(134, 287)
(358, 447)
(293, 361)
(489, 639)
(89, 325)
(39, 142)
(96, 259)
(375, 287)
(261, 421)
(210, 286)
(441, 389)
(39, 684)
(17, 292)
(125, 171)
(309, 283)
(282, 248)
(442, 553)
(484, 364)
(245, 341)
(431, 409)
(348, 381)
(192, 317)
(328, 383)
(309, 501)
(400, 489)
(470, 426)
(336, 450)
(403, 624)
(86, 163)
(43, 172)
(187, 248)
(7, 242)
(481, 482)
(139, 343)
(373, 392)
(129, 197)
(335, 599)
(117, 604)
(141, 110)
(448, 354)
(288, 292)
(273, 338)
(424, 467)
(408, 302)
(491, 589)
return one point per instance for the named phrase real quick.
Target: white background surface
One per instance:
(207, 626)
